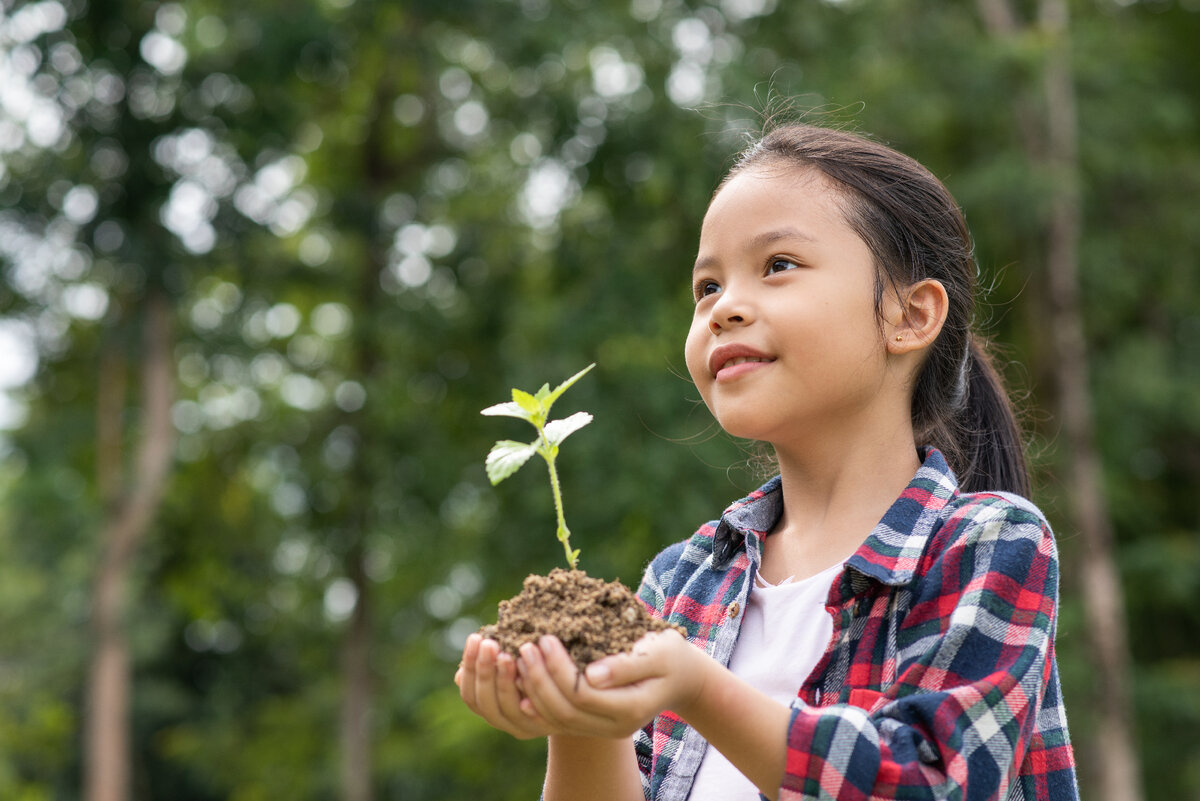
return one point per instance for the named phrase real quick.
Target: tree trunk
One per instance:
(129, 513)
(1104, 600)
(1054, 147)
(356, 699)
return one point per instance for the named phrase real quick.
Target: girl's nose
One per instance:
(727, 313)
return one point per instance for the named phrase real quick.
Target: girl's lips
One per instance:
(730, 361)
(735, 369)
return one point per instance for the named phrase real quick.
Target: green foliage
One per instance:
(369, 216)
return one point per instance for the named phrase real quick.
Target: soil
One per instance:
(593, 618)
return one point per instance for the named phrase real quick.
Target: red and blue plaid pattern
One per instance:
(940, 680)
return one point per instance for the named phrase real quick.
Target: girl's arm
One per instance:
(591, 769)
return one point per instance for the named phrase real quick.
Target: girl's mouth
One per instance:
(734, 359)
(741, 360)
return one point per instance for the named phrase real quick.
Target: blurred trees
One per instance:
(368, 220)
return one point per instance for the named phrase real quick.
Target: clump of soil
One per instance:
(593, 618)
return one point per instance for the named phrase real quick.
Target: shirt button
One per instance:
(733, 609)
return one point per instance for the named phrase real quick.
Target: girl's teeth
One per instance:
(742, 360)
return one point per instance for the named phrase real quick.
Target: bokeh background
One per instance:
(261, 264)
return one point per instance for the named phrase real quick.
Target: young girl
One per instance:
(878, 620)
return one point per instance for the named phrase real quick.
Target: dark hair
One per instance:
(915, 230)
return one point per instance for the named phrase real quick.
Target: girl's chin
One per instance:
(744, 426)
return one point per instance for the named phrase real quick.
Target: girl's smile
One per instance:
(727, 362)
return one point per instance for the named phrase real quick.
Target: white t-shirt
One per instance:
(783, 635)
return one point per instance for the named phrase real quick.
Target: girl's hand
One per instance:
(487, 682)
(618, 694)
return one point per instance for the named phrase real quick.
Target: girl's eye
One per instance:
(705, 288)
(780, 265)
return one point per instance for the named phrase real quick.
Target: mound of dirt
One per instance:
(593, 618)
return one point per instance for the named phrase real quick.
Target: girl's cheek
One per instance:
(693, 351)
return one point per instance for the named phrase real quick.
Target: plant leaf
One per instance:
(527, 402)
(558, 430)
(506, 458)
(549, 400)
(507, 409)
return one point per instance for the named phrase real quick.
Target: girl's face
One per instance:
(785, 341)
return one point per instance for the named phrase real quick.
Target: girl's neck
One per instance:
(834, 493)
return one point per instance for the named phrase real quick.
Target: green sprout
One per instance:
(507, 456)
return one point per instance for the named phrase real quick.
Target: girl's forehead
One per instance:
(775, 190)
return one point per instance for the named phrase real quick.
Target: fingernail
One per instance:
(598, 674)
(528, 651)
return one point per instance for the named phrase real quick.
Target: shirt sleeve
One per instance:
(653, 594)
(973, 662)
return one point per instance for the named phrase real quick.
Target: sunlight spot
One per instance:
(211, 31)
(408, 110)
(85, 301)
(413, 270)
(613, 76)
(549, 189)
(455, 83)
(341, 596)
(350, 396)
(685, 85)
(163, 53)
(471, 118)
(331, 319)
(289, 499)
(20, 360)
(32, 20)
(80, 204)
(645, 10)
(187, 416)
(302, 392)
(739, 10)
(282, 320)
(291, 556)
(314, 249)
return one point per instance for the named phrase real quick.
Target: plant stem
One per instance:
(564, 534)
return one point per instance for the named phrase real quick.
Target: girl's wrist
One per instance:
(702, 670)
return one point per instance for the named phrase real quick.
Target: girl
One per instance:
(878, 620)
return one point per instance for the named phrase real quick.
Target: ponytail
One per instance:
(988, 448)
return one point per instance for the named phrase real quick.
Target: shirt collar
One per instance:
(753, 516)
(892, 551)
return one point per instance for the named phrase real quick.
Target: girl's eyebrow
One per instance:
(759, 241)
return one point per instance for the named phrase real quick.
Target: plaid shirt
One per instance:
(940, 679)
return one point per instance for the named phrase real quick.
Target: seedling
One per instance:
(507, 456)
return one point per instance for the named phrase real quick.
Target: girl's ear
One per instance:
(919, 314)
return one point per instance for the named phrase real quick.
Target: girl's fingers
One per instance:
(649, 659)
(486, 704)
(508, 698)
(559, 665)
(465, 677)
(541, 687)
(495, 696)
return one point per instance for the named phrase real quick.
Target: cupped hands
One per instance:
(542, 692)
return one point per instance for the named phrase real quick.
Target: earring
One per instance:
(899, 337)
